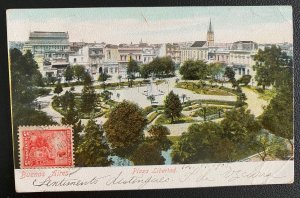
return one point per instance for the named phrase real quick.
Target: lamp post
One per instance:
(168, 86)
(204, 112)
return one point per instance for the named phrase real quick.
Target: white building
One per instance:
(148, 55)
(241, 58)
(171, 50)
(218, 55)
(50, 50)
(125, 55)
(198, 51)
(91, 57)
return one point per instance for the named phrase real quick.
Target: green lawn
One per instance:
(210, 110)
(100, 109)
(125, 84)
(206, 90)
(174, 139)
(183, 119)
(216, 102)
(152, 116)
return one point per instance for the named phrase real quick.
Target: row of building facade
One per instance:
(53, 52)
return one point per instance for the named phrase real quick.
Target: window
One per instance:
(109, 55)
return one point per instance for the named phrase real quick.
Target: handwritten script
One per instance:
(147, 177)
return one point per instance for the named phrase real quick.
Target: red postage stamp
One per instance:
(46, 146)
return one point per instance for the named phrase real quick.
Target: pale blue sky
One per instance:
(156, 24)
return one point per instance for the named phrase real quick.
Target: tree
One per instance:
(278, 115)
(194, 70)
(106, 95)
(215, 70)
(145, 70)
(103, 77)
(229, 73)
(87, 79)
(168, 65)
(67, 100)
(31, 66)
(241, 98)
(50, 79)
(37, 79)
(93, 150)
(124, 128)
(79, 72)
(172, 106)
(58, 89)
(71, 117)
(158, 66)
(245, 79)
(158, 134)
(88, 99)
(203, 69)
(69, 74)
(271, 146)
(240, 127)
(201, 144)
(147, 154)
(120, 79)
(23, 67)
(132, 67)
(24, 72)
(155, 67)
(268, 65)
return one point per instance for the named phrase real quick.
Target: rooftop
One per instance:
(198, 44)
(244, 45)
(39, 34)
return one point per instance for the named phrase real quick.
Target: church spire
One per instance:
(210, 35)
(210, 29)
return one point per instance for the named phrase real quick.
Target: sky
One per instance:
(264, 24)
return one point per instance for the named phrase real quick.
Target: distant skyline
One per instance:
(262, 24)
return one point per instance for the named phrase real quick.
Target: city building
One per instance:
(149, 54)
(75, 46)
(127, 53)
(172, 50)
(50, 50)
(241, 58)
(218, 55)
(111, 57)
(92, 57)
(197, 51)
(16, 45)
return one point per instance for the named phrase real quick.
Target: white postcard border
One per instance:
(154, 177)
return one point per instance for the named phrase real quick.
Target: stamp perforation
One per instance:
(43, 146)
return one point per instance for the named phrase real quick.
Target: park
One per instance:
(162, 113)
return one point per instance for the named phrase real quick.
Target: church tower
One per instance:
(210, 35)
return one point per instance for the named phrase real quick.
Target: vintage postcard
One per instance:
(151, 97)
